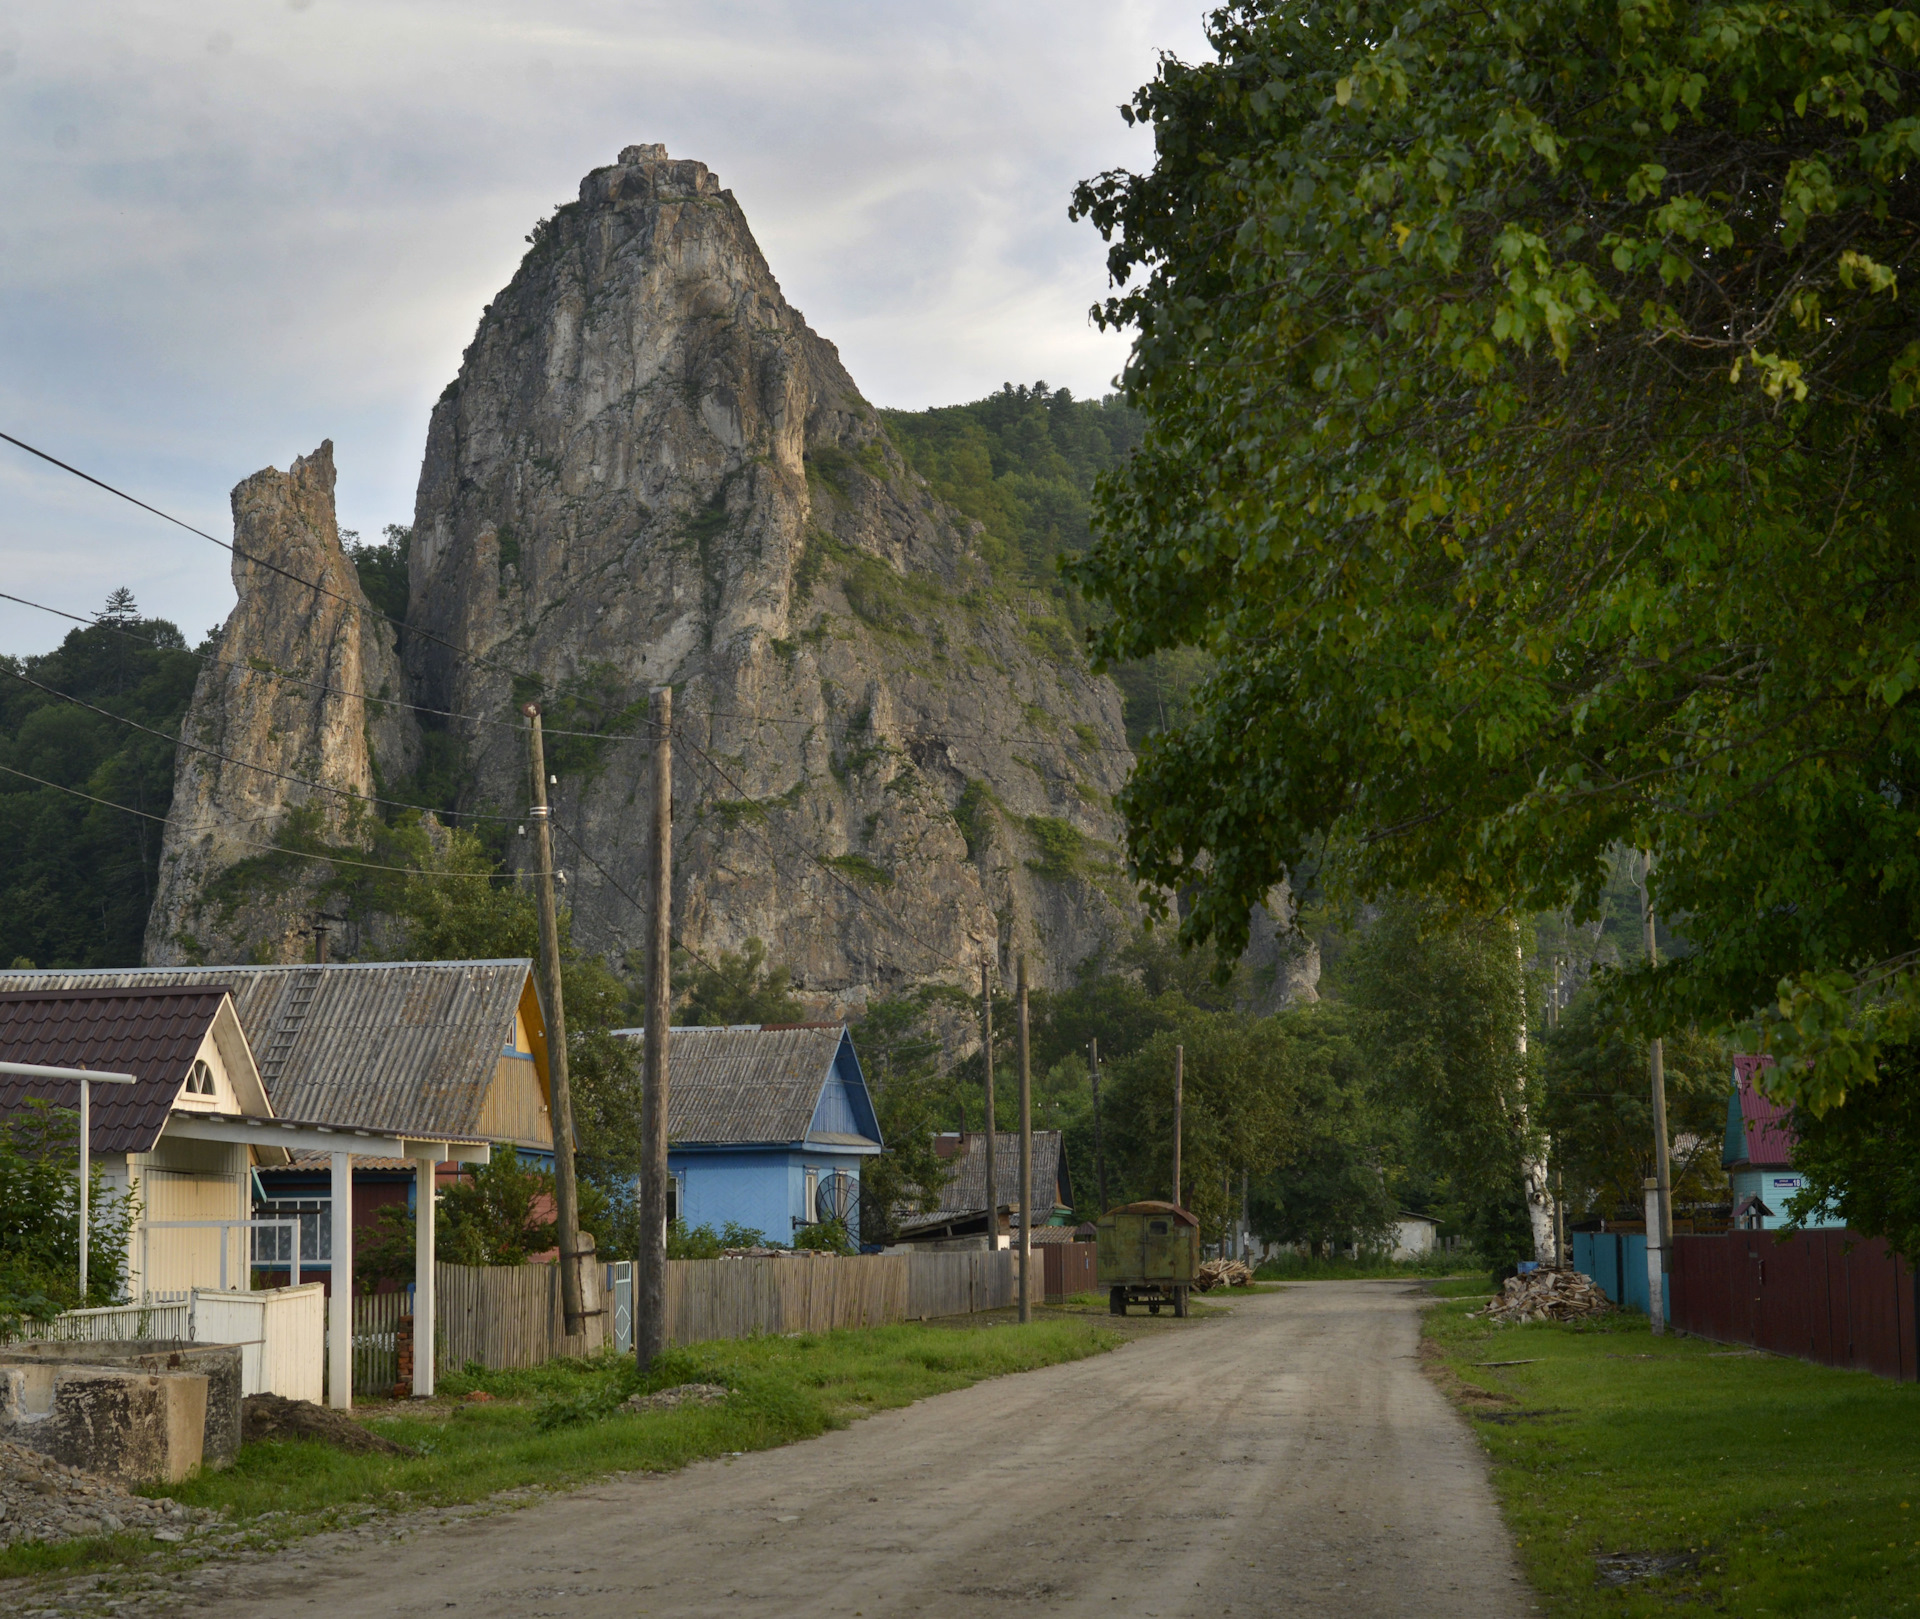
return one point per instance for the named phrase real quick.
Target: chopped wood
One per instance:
(1222, 1273)
(1548, 1294)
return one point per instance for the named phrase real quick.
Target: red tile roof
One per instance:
(1766, 1124)
(152, 1032)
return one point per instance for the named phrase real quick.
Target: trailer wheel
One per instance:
(1117, 1301)
(1180, 1302)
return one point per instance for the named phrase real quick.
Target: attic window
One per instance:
(200, 1079)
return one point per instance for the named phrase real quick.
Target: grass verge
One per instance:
(1643, 1475)
(562, 1424)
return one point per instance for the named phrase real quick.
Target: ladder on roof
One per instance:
(305, 987)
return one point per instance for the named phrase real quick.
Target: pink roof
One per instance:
(1764, 1122)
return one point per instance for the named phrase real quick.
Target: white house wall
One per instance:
(188, 1180)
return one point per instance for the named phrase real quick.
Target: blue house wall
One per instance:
(762, 1188)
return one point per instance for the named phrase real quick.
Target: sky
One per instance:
(232, 228)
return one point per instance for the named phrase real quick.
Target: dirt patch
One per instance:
(46, 1501)
(1615, 1569)
(1469, 1397)
(679, 1395)
(269, 1416)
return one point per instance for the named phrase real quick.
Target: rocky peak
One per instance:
(300, 657)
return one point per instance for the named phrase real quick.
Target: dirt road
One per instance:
(1291, 1460)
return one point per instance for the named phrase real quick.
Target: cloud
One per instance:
(228, 230)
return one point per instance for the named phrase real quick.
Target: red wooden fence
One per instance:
(1066, 1268)
(1829, 1296)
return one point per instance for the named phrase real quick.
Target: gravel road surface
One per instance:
(1288, 1460)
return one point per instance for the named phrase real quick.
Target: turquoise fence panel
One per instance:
(1617, 1262)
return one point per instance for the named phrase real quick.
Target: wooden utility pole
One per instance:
(650, 1271)
(1026, 1158)
(1179, 1091)
(1099, 1156)
(1662, 1183)
(986, 1051)
(566, 1196)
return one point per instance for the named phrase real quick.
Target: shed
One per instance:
(1414, 1235)
(767, 1125)
(1758, 1153)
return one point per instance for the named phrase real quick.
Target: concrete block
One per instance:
(220, 1364)
(120, 1421)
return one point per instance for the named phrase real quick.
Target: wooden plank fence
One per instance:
(505, 1316)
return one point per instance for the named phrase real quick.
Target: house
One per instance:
(190, 1060)
(962, 1215)
(425, 1050)
(1758, 1153)
(767, 1126)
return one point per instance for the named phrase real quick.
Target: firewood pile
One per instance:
(1548, 1294)
(1222, 1273)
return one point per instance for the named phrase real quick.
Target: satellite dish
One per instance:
(837, 1197)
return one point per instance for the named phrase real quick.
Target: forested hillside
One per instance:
(76, 878)
(1023, 462)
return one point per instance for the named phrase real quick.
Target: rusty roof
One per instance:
(152, 1031)
(748, 1083)
(403, 1047)
(966, 1188)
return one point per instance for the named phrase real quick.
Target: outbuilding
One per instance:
(1758, 1153)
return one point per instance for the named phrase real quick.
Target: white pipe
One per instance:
(424, 1175)
(340, 1288)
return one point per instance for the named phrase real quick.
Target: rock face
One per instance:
(651, 471)
(296, 696)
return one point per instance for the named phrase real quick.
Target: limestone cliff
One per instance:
(289, 697)
(650, 470)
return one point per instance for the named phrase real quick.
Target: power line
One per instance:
(252, 843)
(227, 758)
(463, 653)
(620, 889)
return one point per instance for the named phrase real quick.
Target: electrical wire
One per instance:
(261, 562)
(242, 764)
(619, 888)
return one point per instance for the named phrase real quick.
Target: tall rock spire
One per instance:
(289, 697)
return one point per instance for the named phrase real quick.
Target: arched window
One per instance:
(200, 1079)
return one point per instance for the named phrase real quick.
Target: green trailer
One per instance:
(1147, 1253)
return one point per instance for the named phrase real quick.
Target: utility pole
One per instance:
(650, 1273)
(320, 924)
(1662, 1183)
(566, 1196)
(1026, 1158)
(1099, 1156)
(1179, 1092)
(986, 1051)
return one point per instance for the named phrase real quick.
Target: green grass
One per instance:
(558, 1425)
(1784, 1488)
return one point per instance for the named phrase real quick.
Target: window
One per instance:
(810, 1198)
(200, 1078)
(676, 1195)
(274, 1247)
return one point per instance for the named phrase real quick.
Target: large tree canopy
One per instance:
(1527, 440)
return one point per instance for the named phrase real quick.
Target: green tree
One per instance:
(1238, 1113)
(1596, 1107)
(900, 1051)
(1333, 1185)
(1445, 1006)
(1528, 441)
(77, 878)
(739, 988)
(40, 1220)
(499, 1213)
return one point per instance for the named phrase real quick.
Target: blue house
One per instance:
(767, 1126)
(1758, 1154)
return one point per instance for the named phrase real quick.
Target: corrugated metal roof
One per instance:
(748, 1084)
(151, 1032)
(966, 1189)
(403, 1047)
(1759, 1129)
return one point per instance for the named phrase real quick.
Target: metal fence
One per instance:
(1828, 1296)
(112, 1323)
(1617, 1262)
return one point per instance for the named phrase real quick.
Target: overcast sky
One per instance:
(232, 228)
